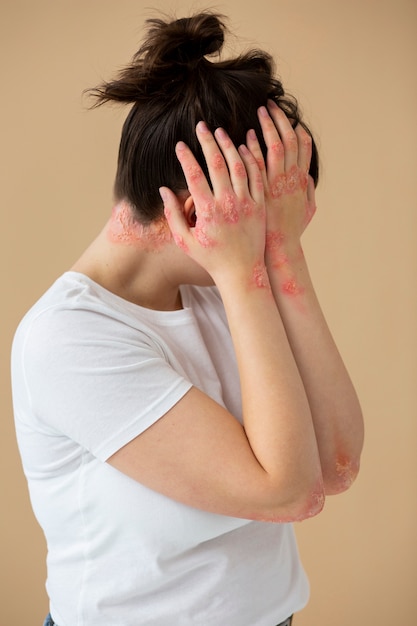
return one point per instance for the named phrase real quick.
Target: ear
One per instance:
(189, 211)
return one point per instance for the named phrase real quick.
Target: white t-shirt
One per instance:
(90, 372)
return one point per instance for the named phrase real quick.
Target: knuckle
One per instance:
(217, 162)
(194, 173)
(290, 139)
(203, 238)
(239, 169)
(229, 209)
(247, 207)
(278, 186)
(277, 148)
(207, 210)
(292, 180)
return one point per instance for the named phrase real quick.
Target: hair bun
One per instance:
(184, 41)
(169, 51)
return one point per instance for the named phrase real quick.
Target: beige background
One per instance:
(353, 67)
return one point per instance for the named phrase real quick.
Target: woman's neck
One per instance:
(134, 261)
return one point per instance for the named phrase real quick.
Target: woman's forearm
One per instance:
(333, 402)
(276, 412)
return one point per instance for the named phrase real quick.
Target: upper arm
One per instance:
(198, 454)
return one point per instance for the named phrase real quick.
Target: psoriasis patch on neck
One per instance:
(125, 229)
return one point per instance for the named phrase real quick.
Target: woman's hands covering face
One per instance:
(289, 190)
(252, 206)
(229, 229)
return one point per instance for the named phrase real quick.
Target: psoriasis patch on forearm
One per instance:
(260, 276)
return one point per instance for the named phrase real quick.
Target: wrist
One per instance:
(282, 251)
(244, 279)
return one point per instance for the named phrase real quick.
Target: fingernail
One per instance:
(163, 194)
(180, 145)
(221, 133)
(272, 104)
(202, 127)
(263, 111)
(252, 135)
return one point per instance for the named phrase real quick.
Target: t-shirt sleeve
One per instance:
(97, 380)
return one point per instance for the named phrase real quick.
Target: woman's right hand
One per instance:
(230, 221)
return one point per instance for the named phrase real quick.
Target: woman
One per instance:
(179, 400)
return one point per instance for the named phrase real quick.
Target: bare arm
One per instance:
(268, 469)
(290, 206)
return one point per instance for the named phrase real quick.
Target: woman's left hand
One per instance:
(289, 190)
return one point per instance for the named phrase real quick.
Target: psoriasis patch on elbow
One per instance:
(346, 472)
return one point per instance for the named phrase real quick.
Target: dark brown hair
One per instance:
(173, 85)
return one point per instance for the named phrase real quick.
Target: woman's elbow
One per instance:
(341, 476)
(301, 505)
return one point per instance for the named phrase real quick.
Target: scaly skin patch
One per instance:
(289, 183)
(206, 212)
(313, 506)
(218, 162)
(291, 288)
(274, 240)
(259, 277)
(346, 471)
(239, 170)
(230, 211)
(273, 243)
(278, 259)
(123, 228)
(202, 237)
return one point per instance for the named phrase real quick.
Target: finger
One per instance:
(254, 147)
(311, 191)
(236, 167)
(196, 181)
(275, 158)
(304, 148)
(255, 179)
(216, 164)
(286, 133)
(175, 218)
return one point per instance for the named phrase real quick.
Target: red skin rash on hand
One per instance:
(125, 229)
(202, 237)
(218, 162)
(230, 212)
(239, 169)
(290, 182)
